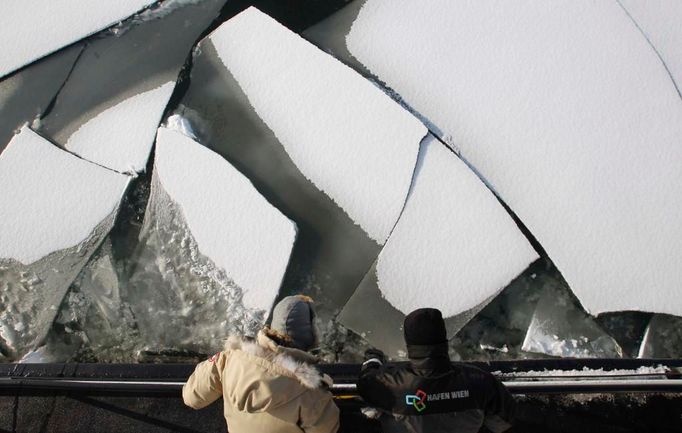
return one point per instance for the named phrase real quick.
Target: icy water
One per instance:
(148, 294)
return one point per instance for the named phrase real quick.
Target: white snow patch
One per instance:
(568, 113)
(661, 23)
(121, 137)
(32, 29)
(231, 222)
(51, 200)
(344, 134)
(454, 246)
(654, 371)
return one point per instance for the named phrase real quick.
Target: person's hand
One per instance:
(375, 354)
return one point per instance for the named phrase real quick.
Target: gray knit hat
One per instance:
(293, 317)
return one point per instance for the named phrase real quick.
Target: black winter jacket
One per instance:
(431, 395)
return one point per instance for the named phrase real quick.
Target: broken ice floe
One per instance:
(55, 211)
(121, 137)
(32, 28)
(213, 251)
(454, 248)
(332, 252)
(576, 127)
(24, 96)
(559, 327)
(340, 130)
(110, 107)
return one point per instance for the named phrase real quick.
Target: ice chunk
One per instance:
(660, 22)
(498, 330)
(231, 222)
(561, 328)
(454, 248)
(341, 131)
(213, 251)
(627, 328)
(570, 116)
(51, 200)
(55, 211)
(32, 28)
(121, 137)
(25, 95)
(119, 89)
(663, 338)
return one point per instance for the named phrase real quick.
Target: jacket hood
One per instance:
(267, 375)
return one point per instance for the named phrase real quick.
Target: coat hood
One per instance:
(262, 375)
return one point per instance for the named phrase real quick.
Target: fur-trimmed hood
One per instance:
(296, 362)
(261, 375)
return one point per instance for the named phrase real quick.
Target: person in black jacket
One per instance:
(430, 394)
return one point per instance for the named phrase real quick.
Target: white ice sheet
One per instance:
(231, 222)
(344, 134)
(568, 113)
(454, 246)
(49, 199)
(661, 23)
(121, 137)
(32, 29)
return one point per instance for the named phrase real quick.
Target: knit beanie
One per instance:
(293, 318)
(425, 326)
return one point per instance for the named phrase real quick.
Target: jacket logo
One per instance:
(418, 400)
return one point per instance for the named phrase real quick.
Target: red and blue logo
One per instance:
(418, 400)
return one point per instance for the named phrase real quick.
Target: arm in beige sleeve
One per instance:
(204, 386)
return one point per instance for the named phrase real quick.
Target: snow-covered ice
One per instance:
(567, 112)
(122, 136)
(454, 247)
(661, 23)
(342, 132)
(232, 223)
(560, 328)
(51, 200)
(212, 251)
(32, 28)
(56, 209)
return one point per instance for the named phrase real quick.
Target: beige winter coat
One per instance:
(266, 388)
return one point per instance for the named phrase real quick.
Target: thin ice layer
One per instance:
(559, 327)
(341, 131)
(454, 248)
(661, 23)
(121, 137)
(25, 95)
(51, 200)
(567, 112)
(662, 338)
(33, 28)
(231, 222)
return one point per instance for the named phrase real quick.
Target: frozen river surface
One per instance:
(170, 169)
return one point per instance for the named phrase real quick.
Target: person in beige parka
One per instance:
(269, 385)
